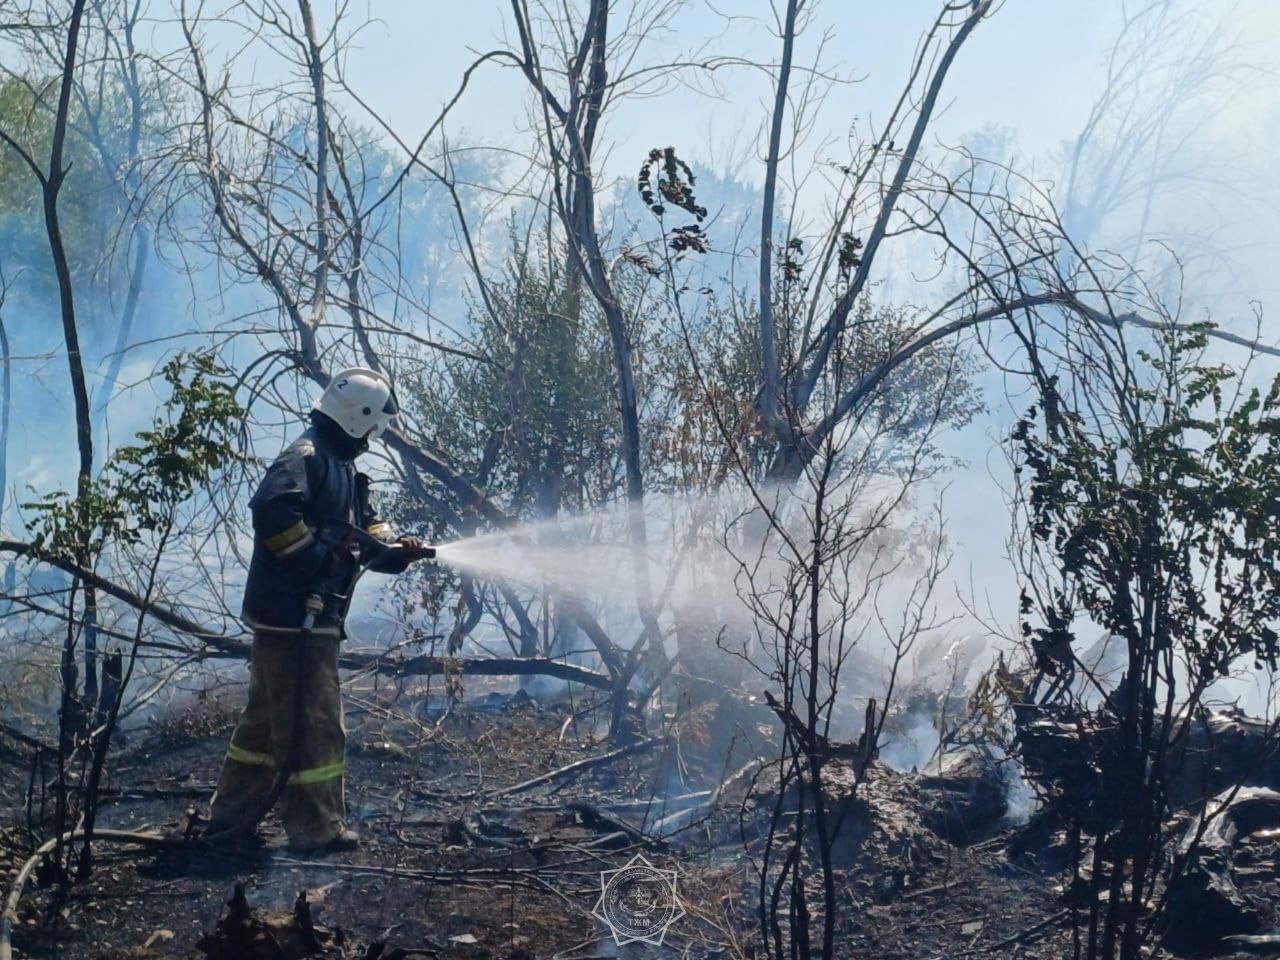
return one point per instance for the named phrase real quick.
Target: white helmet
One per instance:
(360, 401)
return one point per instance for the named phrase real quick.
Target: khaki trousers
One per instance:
(314, 807)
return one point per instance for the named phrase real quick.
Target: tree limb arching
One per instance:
(794, 458)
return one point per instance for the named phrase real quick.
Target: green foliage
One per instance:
(1151, 509)
(87, 200)
(100, 196)
(936, 389)
(535, 421)
(1160, 510)
(192, 439)
(708, 420)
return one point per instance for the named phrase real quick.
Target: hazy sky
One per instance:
(1033, 70)
(1035, 66)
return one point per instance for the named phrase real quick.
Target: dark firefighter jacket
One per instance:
(300, 512)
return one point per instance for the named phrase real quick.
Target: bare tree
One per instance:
(1141, 144)
(120, 60)
(51, 176)
(570, 123)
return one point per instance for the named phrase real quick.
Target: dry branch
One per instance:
(573, 769)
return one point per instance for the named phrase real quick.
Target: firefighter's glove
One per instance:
(416, 549)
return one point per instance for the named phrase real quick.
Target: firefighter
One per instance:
(303, 512)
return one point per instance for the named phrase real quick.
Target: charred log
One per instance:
(962, 795)
(245, 934)
(1215, 752)
(1204, 905)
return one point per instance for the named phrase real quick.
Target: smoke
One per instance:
(1020, 798)
(912, 742)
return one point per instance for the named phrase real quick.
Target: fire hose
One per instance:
(314, 606)
(371, 549)
(10, 914)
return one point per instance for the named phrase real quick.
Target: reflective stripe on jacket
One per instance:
(300, 512)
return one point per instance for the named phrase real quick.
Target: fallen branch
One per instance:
(476, 827)
(148, 793)
(925, 891)
(479, 666)
(1261, 942)
(571, 770)
(574, 769)
(27, 741)
(682, 820)
(485, 875)
(169, 618)
(230, 648)
(594, 816)
(10, 914)
(649, 803)
(1025, 935)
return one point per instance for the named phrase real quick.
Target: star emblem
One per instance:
(638, 902)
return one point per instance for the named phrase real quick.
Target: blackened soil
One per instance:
(451, 869)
